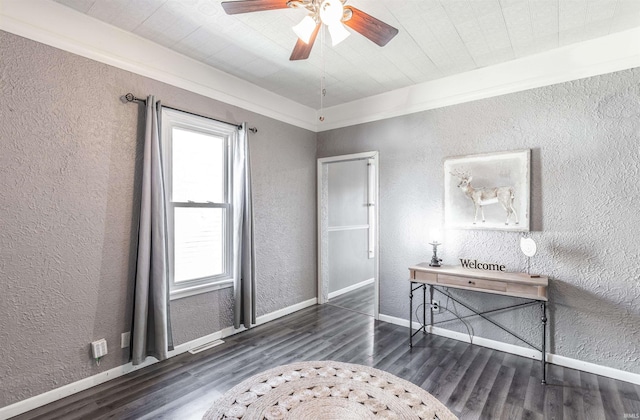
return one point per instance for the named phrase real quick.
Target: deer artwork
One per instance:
(483, 196)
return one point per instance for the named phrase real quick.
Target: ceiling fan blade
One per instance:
(301, 51)
(374, 29)
(247, 6)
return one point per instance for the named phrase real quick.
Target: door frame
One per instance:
(322, 231)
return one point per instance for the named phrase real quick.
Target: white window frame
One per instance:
(176, 119)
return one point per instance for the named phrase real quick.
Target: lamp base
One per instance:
(435, 261)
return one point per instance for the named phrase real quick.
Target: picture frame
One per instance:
(492, 188)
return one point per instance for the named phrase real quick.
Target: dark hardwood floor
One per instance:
(474, 382)
(359, 300)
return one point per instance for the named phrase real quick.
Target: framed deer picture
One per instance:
(488, 191)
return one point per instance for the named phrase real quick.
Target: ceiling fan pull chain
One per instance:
(323, 89)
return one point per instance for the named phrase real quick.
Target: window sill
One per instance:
(203, 288)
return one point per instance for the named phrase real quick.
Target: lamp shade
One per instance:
(435, 235)
(338, 33)
(305, 28)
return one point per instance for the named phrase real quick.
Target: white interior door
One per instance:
(347, 216)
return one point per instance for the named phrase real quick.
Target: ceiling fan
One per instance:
(333, 13)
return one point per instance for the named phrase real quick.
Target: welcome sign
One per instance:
(475, 265)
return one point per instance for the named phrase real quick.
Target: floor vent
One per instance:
(206, 346)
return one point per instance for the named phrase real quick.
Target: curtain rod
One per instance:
(130, 98)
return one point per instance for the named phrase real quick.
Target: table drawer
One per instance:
(445, 279)
(421, 275)
(527, 291)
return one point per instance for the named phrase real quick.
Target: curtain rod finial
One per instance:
(130, 98)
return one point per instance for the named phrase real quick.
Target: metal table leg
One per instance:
(430, 308)
(544, 342)
(424, 308)
(410, 314)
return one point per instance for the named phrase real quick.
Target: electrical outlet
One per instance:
(435, 306)
(99, 348)
(125, 339)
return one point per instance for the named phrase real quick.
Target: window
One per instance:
(197, 161)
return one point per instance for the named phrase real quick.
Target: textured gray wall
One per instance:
(584, 137)
(70, 160)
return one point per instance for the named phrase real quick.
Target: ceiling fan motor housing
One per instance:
(331, 12)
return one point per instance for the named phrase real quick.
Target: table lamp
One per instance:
(435, 237)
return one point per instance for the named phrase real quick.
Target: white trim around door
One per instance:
(373, 221)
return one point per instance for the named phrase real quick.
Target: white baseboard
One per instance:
(351, 288)
(91, 381)
(285, 311)
(70, 389)
(523, 351)
(612, 373)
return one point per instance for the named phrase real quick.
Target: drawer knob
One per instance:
(472, 282)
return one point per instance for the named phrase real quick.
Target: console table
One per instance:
(533, 289)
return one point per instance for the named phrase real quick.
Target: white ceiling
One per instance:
(437, 38)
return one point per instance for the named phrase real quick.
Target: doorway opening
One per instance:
(348, 232)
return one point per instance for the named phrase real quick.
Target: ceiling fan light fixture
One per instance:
(338, 33)
(305, 28)
(331, 12)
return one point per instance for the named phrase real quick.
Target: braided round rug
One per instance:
(327, 390)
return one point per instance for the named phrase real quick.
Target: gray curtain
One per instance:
(244, 312)
(151, 334)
